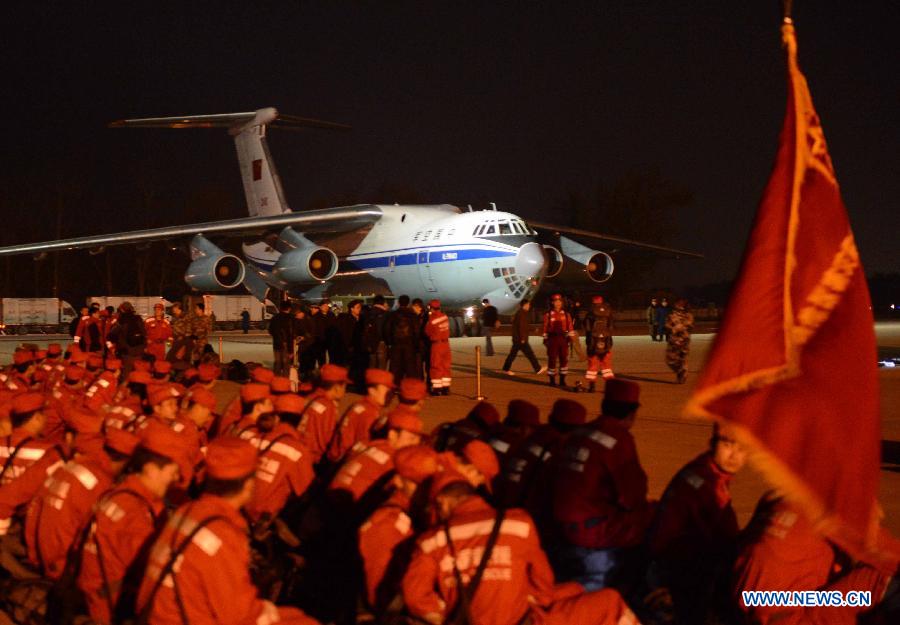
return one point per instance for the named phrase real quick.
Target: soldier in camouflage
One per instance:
(201, 326)
(679, 325)
(182, 332)
(598, 330)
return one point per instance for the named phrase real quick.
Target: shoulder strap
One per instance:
(144, 616)
(462, 612)
(336, 431)
(264, 450)
(12, 456)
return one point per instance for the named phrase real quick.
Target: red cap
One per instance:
(289, 402)
(78, 356)
(190, 374)
(402, 418)
(159, 305)
(140, 377)
(412, 389)
(305, 388)
(280, 384)
(75, 373)
(597, 299)
(163, 367)
(122, 441)
(89, 443)
(54, 349)
(435, 303)
(207, 372)
(261, 375)
(416, 463)
(521, 412)
(27, 402)
(113, 364)
(230, 458)
(202, 396)
(95, 361)
(22, 356)
(83, 421)
(568, 412)
(444, 479)
(621, 390)
(333, 373)
(141, 365)
(555, 297)
(379, 376)
(254, 392)
(40, 354)
(161, 394)
(482, 457)
(163, 440)
(486, 413)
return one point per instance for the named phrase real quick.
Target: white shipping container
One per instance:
(35, 311)
(229, 307)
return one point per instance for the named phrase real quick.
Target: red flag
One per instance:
(793, 367)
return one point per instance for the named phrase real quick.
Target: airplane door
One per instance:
(425, 272)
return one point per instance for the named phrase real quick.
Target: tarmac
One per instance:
(665, 440)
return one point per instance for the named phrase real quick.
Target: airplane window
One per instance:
(504, 228)
(492, 229)
(427, 234)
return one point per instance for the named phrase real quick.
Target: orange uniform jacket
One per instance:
(357, 426)
(212, 578)
(600, 488)
(285, 469)
(517, 570)
(379, 536)
(61, 510)
(104, 387)
(317, 427)
(22, 490)
(695, 520)
(30, 450)
(158, 332)
(123, 522)
(784, 553)
(364, 469)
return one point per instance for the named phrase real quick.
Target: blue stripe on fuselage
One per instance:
(374, 262)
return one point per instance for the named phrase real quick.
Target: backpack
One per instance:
(601, 336)
(402, 329)
(134, 332)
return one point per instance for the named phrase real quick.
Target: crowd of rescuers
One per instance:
(134, 499)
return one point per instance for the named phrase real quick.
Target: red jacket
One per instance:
(317, 427)
(285, 469)
(695, 521)
(18, 493)
(437, 328)
(212, 577)
(62, 508)
(364, 469)
(387, 528)
(125, 519)
(357, 426)
(558, 322)
(600, 489)
(30, 450)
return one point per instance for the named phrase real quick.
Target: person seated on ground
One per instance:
(692, 540)
(363, 416)
(780, 550)
(600, 500)
(522, 417)
(477, 425)
(515, 580)
(208, 539)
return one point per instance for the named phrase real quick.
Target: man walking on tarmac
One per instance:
(437, 329)
(521, 328)
(558, 329)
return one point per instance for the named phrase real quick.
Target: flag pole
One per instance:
(787, 7)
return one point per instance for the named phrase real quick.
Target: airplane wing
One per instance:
(327, 220)
(617, 241)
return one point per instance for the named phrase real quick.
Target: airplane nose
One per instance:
(530, 260)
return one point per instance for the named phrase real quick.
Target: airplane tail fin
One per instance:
(262, 186)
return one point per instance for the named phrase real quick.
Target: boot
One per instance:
(562, 381)
(445, 390)
(592, 387)
(552, 380)
(434, 392)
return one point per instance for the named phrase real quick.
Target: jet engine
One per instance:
(598, 266)
(302, 261)
(212, 269)
(554, 261)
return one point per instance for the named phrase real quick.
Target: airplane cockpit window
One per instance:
(491, 229)
(504, 227)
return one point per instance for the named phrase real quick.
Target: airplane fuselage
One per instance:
(428, 252)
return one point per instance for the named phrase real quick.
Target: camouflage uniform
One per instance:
(679, 324)
(201, 326)
(182, 343)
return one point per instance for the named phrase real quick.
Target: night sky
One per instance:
(462, 102)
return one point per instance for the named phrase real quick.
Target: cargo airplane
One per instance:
(432, 251)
